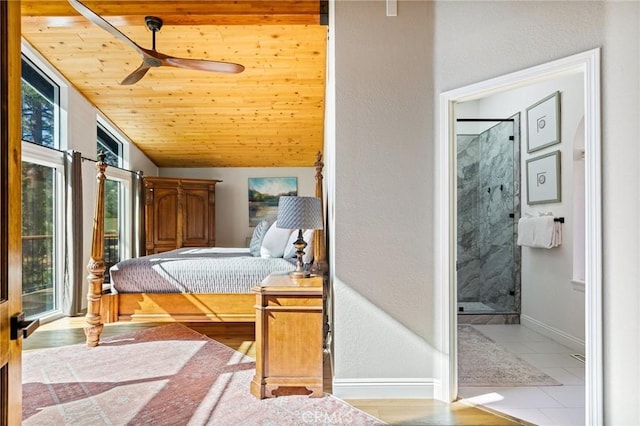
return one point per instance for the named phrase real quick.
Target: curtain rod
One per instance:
(110, 166)
(82, 157)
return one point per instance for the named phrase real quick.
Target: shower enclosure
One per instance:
(488, 209)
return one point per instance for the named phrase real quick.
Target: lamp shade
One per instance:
(299, 213)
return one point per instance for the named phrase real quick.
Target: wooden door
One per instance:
(10, 213)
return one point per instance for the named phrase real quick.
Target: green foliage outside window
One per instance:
(38, 108)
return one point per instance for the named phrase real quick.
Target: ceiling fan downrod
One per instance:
(154, 24)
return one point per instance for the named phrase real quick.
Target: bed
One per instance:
(202, 284)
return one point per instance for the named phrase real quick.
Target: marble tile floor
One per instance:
(541, 405)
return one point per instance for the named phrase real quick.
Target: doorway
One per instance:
(588, 64)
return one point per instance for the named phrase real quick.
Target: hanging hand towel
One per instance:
(557, 233)
(539, 232)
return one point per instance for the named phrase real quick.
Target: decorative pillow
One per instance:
(274, 241)
(290, 249)
(258, 235)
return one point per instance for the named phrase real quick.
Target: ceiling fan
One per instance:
(151, 57)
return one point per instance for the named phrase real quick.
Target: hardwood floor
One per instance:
(69, 331)
(431, 412)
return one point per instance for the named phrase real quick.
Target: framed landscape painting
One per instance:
(264, 194)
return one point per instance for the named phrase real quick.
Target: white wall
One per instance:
(389, 72)
(232, 205)
(551, 303)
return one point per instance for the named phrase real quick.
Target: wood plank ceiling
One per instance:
(270, 115)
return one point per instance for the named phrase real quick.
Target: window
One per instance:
(114, 199)
(112, 223)
(111, 147)
(41, 238)
(42, 195)
(40, 116)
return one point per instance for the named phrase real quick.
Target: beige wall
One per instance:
(389, 72)
(385, 330)
(232, 205)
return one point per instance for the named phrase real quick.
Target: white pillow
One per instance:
(274, 241)
(290, 249)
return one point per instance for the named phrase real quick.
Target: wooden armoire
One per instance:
(179, 213)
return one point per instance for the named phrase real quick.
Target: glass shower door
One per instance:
(488, 260)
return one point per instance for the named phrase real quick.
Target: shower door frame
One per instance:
(587, 63)
(515, 213)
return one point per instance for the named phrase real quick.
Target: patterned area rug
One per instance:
(482, 362)
(167, 375)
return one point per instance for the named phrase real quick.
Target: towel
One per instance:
(539, 232)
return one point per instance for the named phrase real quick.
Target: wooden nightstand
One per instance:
(288, 337)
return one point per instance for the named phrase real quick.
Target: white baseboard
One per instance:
(377, 388)
(553, 333)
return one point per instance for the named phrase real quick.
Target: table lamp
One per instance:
(299, 213)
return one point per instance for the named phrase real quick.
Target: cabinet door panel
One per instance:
(166, 217)
(195, 223)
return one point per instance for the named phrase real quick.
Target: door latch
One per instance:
(19, 325)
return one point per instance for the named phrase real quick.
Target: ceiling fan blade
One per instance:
(203, 65)
(102, 23)
(135, 76)
(152, 58)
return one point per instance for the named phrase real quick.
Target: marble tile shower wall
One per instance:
(488, 194)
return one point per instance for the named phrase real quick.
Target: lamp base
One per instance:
(300, 245)
(299, 274)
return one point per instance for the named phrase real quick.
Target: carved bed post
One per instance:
(96, 266)
(320, 265)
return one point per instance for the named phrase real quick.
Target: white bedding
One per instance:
(196, 270)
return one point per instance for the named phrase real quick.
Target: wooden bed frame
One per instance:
(105, 305)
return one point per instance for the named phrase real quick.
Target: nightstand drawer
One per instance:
(291, 301)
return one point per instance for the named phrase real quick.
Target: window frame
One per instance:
(52, 157)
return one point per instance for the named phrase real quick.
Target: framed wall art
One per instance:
(543, 123)
(264, 194)
(543, 179)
